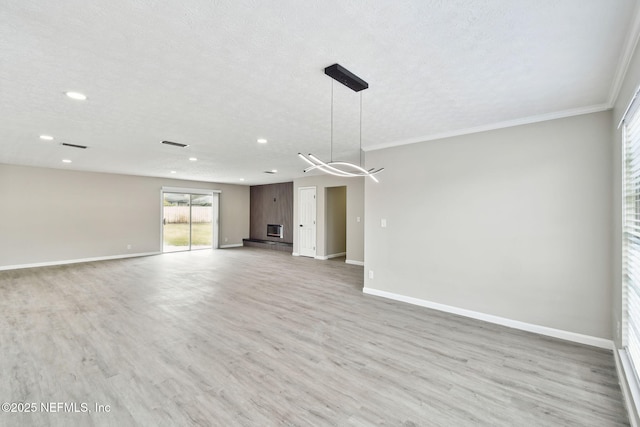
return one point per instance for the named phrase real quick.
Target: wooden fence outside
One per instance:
(180, 214)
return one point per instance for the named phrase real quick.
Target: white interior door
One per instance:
(307, 221)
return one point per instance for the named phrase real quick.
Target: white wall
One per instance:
(54, 215)
(514, 223)
(355, 209)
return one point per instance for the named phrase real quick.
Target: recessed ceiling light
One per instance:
(274, 170)
(241, 179)
(46, 137)
(173, 172)
(66, 161)
(76, 95)
(193, 159)
(262, 141)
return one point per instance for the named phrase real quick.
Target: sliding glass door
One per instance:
(187, 221)
(201, 221)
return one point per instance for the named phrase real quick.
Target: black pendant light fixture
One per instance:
(343, 169)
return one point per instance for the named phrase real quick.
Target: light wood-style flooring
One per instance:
(253, 337)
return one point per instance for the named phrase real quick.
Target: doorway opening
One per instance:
(336, 223)
(189, 220)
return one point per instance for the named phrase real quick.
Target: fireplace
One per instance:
(275, 230)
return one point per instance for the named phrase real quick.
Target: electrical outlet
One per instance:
(129, 246)
(357, 219)
(370, 274)
(383, 223)
(226, 239)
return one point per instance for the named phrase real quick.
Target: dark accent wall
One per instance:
(271, 204)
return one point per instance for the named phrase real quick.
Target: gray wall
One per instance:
(355, 209)
(336, 220)
(272, 204)
(53, 215)
(513, 223)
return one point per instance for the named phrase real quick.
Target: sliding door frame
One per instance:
(215, 206)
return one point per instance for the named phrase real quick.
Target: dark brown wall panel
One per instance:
(271, 204)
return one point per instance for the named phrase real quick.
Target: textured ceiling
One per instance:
(219, 74)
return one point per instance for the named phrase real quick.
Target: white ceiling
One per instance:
(219, 74)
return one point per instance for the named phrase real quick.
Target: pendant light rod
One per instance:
(360, 152)
(331, 148)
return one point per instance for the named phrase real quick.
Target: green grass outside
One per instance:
(178, 234)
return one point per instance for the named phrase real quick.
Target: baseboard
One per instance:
(516, 324)
(75, 261)
(350, 261)
(326, 257)
(628, 385)
(234, 245)
(295, 254)
(338, 255)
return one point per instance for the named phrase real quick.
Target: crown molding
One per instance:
(631, 42)
(494, 126)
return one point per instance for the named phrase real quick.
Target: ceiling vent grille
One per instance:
(175, 144)
(269, 172)
(74, 145)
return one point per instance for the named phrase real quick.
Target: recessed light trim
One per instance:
(174, 172)
(262, 141)
(76, 95)
(241, 179)
(193, 159)
(274, 170)
(46, 137)
(66, 161)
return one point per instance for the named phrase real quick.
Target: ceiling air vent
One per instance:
(74, 145)
(175, 144)
(269, 172)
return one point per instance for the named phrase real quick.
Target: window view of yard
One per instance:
(178, 234)
(187, 222)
